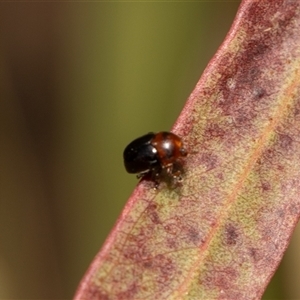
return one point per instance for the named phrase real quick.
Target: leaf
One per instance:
(222, 233)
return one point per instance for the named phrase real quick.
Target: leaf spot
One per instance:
(231, 235)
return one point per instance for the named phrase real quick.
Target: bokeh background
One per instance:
(78, 81)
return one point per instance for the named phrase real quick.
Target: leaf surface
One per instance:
(222, 233)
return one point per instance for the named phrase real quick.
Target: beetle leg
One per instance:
(140, 175)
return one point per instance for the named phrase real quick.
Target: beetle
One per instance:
(155, 154)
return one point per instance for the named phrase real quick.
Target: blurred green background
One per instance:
(78, 81)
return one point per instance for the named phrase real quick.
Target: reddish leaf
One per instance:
(221, 234)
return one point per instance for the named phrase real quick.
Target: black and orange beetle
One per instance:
(155, 154)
